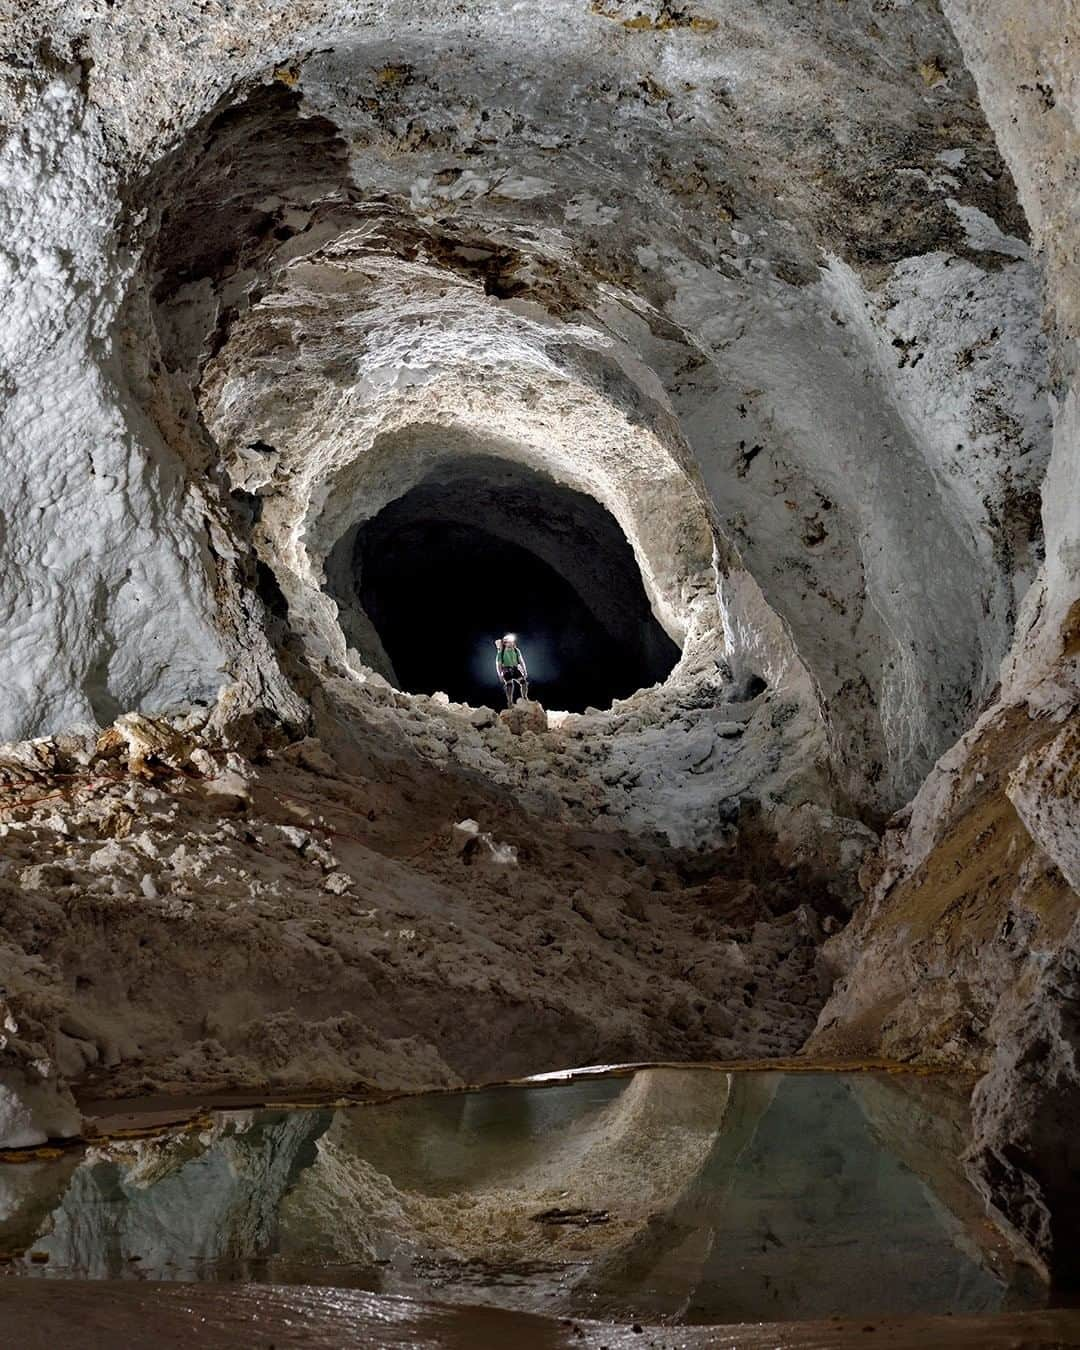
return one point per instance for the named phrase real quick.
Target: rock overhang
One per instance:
(690, 214)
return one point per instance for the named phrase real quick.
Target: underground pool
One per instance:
(666, 1195)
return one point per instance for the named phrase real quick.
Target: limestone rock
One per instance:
(34, 1110)
(310, 754)
(525, 715)
(1045, 789)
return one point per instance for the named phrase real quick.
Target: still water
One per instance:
(681, 1195)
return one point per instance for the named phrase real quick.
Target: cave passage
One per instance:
(487, 547)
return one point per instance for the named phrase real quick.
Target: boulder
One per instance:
(528, 715)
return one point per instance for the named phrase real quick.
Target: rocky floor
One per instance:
(338, 913)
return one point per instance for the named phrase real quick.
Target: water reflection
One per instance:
(679, 1195)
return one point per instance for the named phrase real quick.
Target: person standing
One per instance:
(511, 668)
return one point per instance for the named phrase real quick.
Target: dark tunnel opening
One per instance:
(487, 547)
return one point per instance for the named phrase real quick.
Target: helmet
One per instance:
(509, 637)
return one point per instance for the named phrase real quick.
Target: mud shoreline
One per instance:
(105, 1314)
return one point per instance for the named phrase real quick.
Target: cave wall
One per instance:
(104, 542)
(825, 367)
(966, 949)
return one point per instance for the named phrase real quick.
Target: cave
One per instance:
(726, 356)
(466, 556)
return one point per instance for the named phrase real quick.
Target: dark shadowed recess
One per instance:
(484, 546)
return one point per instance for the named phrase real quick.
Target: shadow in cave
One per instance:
(488, 548)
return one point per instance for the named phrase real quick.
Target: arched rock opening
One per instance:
(844, 441)
(482, 546)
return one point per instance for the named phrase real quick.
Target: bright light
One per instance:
(541, 656)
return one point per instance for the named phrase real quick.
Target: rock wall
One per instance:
(966, 949)
(327, 231)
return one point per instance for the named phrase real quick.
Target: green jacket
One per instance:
(506, 658)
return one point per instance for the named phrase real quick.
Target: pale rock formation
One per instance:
(34, 1110)
(1045, 790)
(525, 715)
(425, 238)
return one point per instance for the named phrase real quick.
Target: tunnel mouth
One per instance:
(426, 586)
